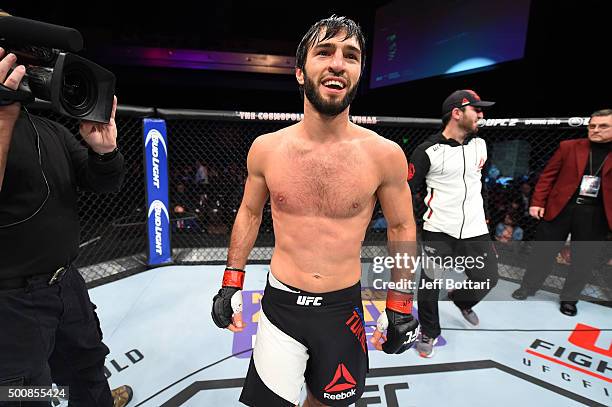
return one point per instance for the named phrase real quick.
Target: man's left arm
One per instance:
(99, 168)
(484, 191)
(396, 202)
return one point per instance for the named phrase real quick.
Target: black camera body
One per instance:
(75, 86)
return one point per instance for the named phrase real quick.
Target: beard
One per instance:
(468, 126)
(331, 107)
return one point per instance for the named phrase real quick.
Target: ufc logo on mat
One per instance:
(306, 300)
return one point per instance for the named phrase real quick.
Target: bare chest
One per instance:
(337, 184)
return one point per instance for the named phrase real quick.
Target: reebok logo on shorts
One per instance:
(307, 300)
(342, 381)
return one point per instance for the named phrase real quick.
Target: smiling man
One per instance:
(311, 327)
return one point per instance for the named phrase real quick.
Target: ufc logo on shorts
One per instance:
(306, 300)
(412, 336)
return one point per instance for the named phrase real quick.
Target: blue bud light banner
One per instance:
(158, 217)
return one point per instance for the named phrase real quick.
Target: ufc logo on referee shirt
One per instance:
(306, 300)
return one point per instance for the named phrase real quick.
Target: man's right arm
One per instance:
(248, 218)
(545, 183)
(227, 304)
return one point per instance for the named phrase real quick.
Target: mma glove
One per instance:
(228, 300)
(402, 328)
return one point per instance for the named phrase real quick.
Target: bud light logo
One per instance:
(156, 208)
(158, 217)
(155, 138)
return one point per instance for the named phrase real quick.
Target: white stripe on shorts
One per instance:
(280, 360)
(277, 284)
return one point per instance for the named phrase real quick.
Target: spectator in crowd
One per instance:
(186, 176)
(201, 179)
(201, 175)
(508, 230)
(504, 235)
(525, 196)
(183, 197)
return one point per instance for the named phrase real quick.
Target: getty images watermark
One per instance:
(433, 266)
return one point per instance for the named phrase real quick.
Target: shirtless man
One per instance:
(323, 176)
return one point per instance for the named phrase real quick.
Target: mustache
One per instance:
(337, 75)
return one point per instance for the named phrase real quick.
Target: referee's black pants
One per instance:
(442, 245)
(589, 227)
(51, 333)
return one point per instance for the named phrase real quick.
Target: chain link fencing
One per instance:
(207, 170)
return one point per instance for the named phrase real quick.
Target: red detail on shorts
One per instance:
(343, 372)
(233, 278)
(429, 202)
(411, 171)
(399, 302)
(356, 326)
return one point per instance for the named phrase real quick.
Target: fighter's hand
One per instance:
(227, 309)
(378, 337)
(402, 328)
(101, 137)
(10, 112)
(536, 212)
(402, 332)
(227, 304)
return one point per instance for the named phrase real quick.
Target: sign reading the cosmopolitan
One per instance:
(158, 217)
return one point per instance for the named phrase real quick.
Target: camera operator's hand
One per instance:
(102, 138)
(9, 113)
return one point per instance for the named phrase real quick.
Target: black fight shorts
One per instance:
(316, 338)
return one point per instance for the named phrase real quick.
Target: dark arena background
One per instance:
(221, 74)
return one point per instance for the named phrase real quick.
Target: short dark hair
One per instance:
(332, 25)
(447, 116)
(602, 112)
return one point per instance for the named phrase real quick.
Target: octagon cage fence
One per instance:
(207, 170)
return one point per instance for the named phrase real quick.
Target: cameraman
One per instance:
(49, 329)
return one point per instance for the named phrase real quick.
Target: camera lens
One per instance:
(79, 90)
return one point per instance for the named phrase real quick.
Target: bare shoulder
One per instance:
(275, 139)
(266, 144)
(380, 148)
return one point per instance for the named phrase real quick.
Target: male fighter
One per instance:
(323, 176)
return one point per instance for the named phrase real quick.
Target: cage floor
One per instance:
(164, 344)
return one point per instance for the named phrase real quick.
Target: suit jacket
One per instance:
(562, 176)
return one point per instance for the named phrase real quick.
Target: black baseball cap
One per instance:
(461, 98)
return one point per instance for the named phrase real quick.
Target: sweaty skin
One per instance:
(322, 196)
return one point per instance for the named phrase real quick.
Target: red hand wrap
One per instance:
(233, 278)
(399, 302)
